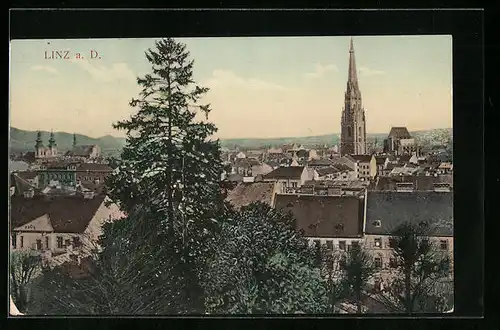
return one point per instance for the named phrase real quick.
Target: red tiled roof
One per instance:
(68, 214)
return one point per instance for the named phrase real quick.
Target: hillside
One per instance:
(426, 136)
(22, 141)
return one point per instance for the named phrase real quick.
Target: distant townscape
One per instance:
(349, 197)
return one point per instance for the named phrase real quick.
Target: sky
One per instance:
(260, 87)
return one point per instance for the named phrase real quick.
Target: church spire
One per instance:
(39, 142)
(352, 80)
(52, 140)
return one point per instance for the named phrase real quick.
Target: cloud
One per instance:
(117, 71)
(320, 70)
(45, 68)
(226, 78)
(370, 72)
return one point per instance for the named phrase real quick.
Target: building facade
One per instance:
(353, 124)
(52, 225)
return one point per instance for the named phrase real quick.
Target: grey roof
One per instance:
(247, 193)
(15, 165)
(395, 208)
(380, 159)
(327, 170)
(290, 172)
(400, 133)
(362, 158)
(81, 150)
(324, 216)
(320, 162)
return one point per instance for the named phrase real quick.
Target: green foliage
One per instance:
(169, 172)
(421, 272)
(359, 268)
(24, 267)
(263, 265)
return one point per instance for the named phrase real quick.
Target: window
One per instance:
(342, 245)
(38, 244)
(377, 223)
(76, 241)
(444, 245)
(294, 184)
(22, 242)
(317, 244)
(14, 240)
(392, 243)
(59, 242)
(355, 244)
(349, 132)
(47, 242)
(339, 227)
(329, 245)
(67, 242)
(378, 242)
(378, 262)
(392, 263)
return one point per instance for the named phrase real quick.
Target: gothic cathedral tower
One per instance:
(353, 125)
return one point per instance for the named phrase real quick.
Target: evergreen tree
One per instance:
(170, 170)
(263, 265)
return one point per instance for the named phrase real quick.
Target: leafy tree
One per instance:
(419, 268)
(334, 275)
(170, 170)
(24, 267)
(263, 265)
(358, 269)
(122, 279)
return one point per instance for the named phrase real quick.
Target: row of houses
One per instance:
(341, 221)
(350, 167)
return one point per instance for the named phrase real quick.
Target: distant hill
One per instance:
(22, 141)
(429, 136)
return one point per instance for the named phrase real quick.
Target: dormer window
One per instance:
(339, 227)
(377, 223)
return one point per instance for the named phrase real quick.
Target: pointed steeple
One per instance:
(52, 140)
(352, 79)
(39, 142)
